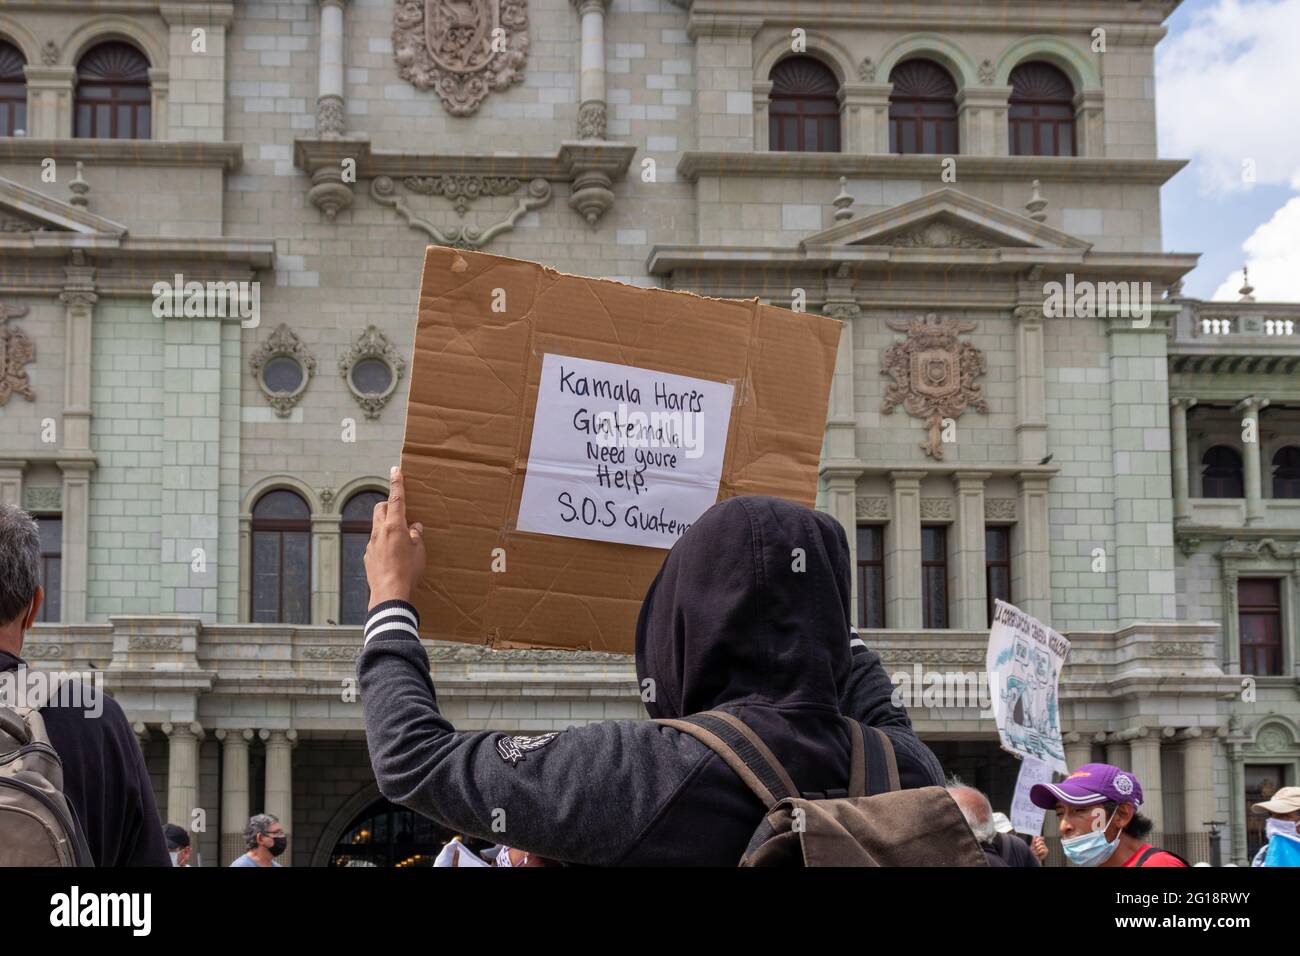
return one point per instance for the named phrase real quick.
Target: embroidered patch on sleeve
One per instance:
(512, 749)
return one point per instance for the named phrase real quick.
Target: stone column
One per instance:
(49, 101)
(11, 482)
(234, 792)
(182, 771)
(79, 300)
(970, 604)
(1181, 472)
(279, 781)
(1145, 765)
(864, 117)
(1089, 130)
(903, 552)
(982, 121)
(1078, 749)
(841, 421)
(592, 108)
(1031, 549)
(1231, 631)
(1031, 393)
(841, 502)
(330, 120)
(1237, 805)
(1117, 752)
(1249, 409)
(1198, 782)
(327, 544)
(76, 538)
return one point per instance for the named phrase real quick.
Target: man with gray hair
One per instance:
(1000, 849)
(265, 838)
(104, 778)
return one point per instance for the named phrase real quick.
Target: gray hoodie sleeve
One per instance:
(586, 795)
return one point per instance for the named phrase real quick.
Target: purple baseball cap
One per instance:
(1091, 783)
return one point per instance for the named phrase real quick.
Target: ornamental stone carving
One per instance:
(43, 498)
(329, 116)
(936, 508)
(50, 53)
(592, 120)
(934, 374)
(462, 190)
(282, 344)
(17, 351)
(154, 642)
(1271, 739)
(932, 655)
(937, 235)
(384, 191)
(1176, 649)
(871, 506)
(999, 509)
(15, 224)
(461, 49)
(372, 344)
(867, 70)
(987, 72)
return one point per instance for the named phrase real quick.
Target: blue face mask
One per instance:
(1091, 849)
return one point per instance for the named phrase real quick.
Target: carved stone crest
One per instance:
(16, 352)
(937, 235)
(461, 49)
(872, 506)
(1000, 509)
(934, 374)
(462, 190)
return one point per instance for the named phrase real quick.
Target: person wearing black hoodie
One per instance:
(104, 777)
(735, 621)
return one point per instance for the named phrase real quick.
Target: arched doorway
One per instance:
(384, 834)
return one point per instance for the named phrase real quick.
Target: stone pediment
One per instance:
(945, 219)
(24, 211)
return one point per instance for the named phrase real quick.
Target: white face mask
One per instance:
(1280, 827)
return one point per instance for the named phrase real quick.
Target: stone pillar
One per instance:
(841, 502)
(182, 771)
(279, 781)
(1198, 780)
(592, 106)
(1237, 806)
(1089, 130)
(1145, 765)
(970, 597)
(841, 421)
(330, 120)
(191, 445)
(982, 122)
(1249, 409)
(1031, 562)
(864, 118)
(327, 545)
(1031, 393)
(11, 482)
(1140, 465)
(49, 101)
(1078, 749)
(903, 552)
(76, 538)
(1181, 472)
(79, 301)
(234, 792)
(1231, 630)
(1117, 752)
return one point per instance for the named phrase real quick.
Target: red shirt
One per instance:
(1159, 858)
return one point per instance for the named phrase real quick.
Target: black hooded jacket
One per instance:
(749, 614)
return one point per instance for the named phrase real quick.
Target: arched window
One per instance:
(385, 835)
(113, 93)
(1221, 476)
(1286, 472)
(804, 111)
(1041, 114)
(13, 90)
(281, 559)
(354, 592)
(922, 109)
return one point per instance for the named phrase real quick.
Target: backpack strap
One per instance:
(880, 773)
(742, 751)
(1152, 851)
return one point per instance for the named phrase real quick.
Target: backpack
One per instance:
(1151, 851)
(38, 826)
(872, 823)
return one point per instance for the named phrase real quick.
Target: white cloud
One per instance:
(1225, 88)
(1273, 256)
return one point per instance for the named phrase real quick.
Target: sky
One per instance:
(1227, 75)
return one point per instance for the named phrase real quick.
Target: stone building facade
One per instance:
(195, 467)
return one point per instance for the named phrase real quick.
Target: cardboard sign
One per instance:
(497, 572)
(1026, 817)
(622, 454)
(1024, 663)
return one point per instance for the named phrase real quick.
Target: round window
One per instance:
(282, 375)
(372, 376)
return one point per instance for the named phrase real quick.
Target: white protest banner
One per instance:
(622, 454)
(1024, 663)
(1026, 817)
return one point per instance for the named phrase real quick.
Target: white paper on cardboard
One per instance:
(1025, 816)
(622, 454)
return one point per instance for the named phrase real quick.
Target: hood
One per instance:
(734, 616)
